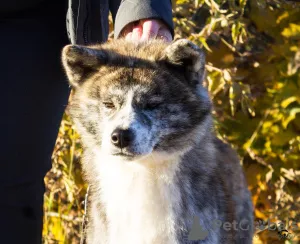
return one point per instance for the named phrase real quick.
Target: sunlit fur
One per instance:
(174, 167)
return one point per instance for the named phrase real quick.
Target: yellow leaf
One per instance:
(227, 75)
(204, 43)
(291, 117)
(293, 31)
(294, 48)
(260, 215)
(262, 185)
(269, 175)
(289, 100)
(281, 17)
(243, 3)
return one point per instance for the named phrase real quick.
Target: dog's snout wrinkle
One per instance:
(121, 138)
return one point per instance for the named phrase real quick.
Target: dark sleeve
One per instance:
(133, 10)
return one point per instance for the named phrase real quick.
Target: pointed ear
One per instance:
(80, 62)
(189, 57)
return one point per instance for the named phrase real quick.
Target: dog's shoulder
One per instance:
(229, 163)
(224, 152)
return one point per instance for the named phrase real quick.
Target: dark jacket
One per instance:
(87, 20)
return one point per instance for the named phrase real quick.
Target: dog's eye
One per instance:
(109, 105)
(151, 106)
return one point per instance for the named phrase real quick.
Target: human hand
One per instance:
(147, 29)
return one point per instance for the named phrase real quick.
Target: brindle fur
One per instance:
(175, 168)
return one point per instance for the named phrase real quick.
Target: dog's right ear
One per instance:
(80, 62)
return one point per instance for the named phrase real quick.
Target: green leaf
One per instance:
(242, 5)
(215, 83)
(237, 31)
(234, 96)
(234, 33)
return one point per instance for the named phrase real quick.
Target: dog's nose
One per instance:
(121, 138)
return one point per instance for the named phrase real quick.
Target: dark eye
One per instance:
(151, 106)
(109, 105)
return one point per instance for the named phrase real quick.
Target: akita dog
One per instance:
(156, 171)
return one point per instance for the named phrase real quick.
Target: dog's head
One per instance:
(132, 100)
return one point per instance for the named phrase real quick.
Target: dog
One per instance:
(156, 171)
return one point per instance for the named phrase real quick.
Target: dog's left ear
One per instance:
(185, 55)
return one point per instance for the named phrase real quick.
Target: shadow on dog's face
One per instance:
(133, 100)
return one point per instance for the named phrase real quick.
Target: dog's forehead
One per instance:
(138, 92)
(119, 81)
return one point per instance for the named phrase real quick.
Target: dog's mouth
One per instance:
(124, 155)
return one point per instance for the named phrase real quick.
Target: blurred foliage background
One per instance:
(253, 61)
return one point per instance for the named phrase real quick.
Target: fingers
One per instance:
(128, 36)
(150, 29)
(147, 29)
(137, 32)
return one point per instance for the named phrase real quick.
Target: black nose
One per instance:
(121, 138)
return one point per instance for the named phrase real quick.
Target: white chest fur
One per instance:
(141, 202)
